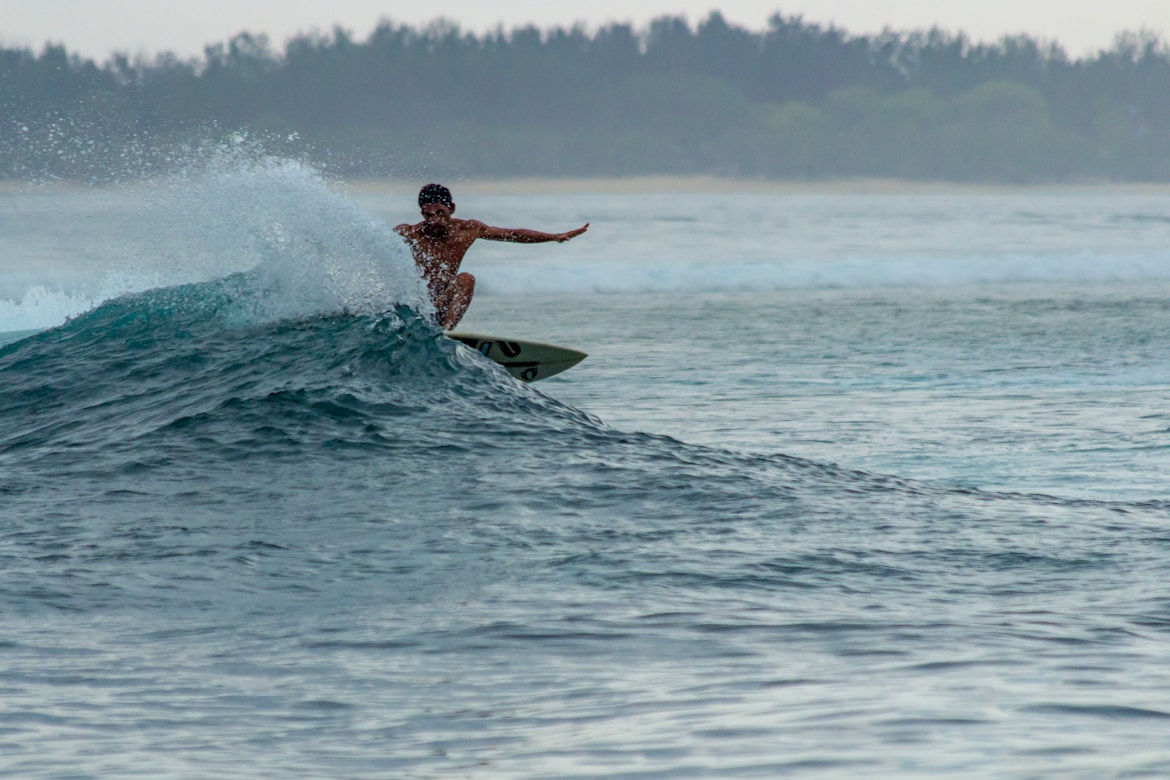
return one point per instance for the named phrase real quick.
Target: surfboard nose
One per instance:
(526, 360)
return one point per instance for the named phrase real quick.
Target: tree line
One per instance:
(796, 100)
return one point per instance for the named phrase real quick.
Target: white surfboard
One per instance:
(528, 361)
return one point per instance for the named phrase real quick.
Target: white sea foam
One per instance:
(33, 301)
(41, 307)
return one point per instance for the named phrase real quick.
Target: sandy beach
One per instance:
(632, 185)
(716, 184)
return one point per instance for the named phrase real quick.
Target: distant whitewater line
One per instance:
(925, 272)
(47, 305)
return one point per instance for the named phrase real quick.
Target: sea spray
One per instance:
(314, 250)
(223, 209)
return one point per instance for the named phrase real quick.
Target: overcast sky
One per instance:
(96, 28)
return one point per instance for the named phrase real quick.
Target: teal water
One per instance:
(849, 485)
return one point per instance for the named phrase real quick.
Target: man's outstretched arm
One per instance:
(525, 236)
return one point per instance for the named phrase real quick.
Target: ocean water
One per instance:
(850, 485)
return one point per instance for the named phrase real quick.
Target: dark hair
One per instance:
(435, 193)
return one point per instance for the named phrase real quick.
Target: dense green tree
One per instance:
(794, 100)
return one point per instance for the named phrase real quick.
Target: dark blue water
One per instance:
(235, 545)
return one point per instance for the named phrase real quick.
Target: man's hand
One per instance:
(563, 237)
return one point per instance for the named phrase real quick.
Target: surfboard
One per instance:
(528, 361)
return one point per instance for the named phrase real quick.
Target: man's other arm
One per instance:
(523, 235)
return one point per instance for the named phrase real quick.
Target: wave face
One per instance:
(197, 406)
(221, 358)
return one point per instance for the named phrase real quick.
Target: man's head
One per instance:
(435, 193)
(434, 201)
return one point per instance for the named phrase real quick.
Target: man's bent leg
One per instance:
(453, 303)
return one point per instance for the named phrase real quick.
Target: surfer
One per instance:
(440, 241)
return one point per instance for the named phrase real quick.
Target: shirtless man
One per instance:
(440, 241)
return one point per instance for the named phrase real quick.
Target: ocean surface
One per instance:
(850, 485)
